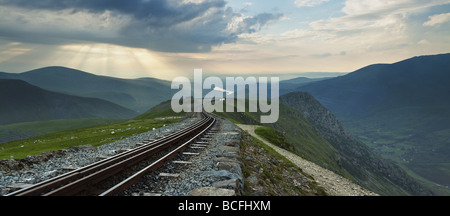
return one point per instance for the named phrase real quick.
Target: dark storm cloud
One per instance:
(160, 25)
(155, 12)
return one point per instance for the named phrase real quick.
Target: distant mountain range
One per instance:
(414, 82)
(23, 102)
(400, 110)
(135, 94)
(291, 85)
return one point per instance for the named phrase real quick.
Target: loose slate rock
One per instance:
(227, 184)
(212, 191)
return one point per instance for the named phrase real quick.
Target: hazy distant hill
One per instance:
(23, 102)
(291, 85)
(136, 94)
(417, 81)
(161, 110)
(401, 110)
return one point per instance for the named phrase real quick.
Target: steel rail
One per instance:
(135, 177)
(118, 162)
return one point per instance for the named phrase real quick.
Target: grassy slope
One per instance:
(274, 137)
(30, 129)
(94, 136)
(44, 127)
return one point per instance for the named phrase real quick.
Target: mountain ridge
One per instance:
(136, 94)
(375, 81)
(23, 102)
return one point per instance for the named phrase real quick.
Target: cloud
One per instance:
(324, 55)
(308, 3)
(253, 24)
(155, 12)
(369, 23)
(160, 25)
(368, 31)
(437, 20)
(375, 9)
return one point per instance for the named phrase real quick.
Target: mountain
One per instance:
(367, 168)
(416, 81)
(291, 85)
(314, 133)
(401, 110)
(135, 94)
(23, 102)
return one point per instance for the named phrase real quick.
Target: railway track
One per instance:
(85, 180)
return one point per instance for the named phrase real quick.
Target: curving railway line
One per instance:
(86, 180)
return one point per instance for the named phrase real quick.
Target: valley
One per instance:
(400, 110)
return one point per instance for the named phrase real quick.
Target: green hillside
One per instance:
(25, 130)
(23, 102)
(299, 136)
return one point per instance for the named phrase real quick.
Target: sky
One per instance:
(169, 38)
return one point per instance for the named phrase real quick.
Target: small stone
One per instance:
(212, 191)
(227, 184)
(151, 194)
(169, 175)
(229, 149)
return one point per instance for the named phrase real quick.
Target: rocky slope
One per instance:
(367, 168)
